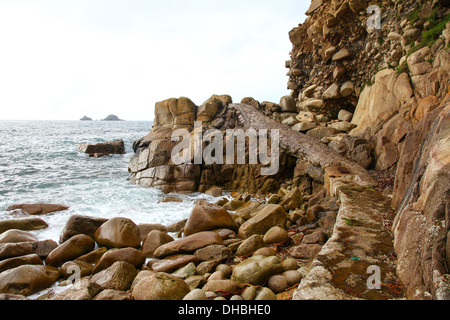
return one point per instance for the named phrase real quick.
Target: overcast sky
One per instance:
(63, 59)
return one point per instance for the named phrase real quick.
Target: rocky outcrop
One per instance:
(422, 193)
(399, 74)
(152, 164)
(112, 117)
(85, 118)
(102, 149)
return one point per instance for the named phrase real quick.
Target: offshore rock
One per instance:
(102, 149)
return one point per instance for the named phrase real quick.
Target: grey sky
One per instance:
(63, 59)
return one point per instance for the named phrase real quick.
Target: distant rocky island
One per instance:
(85, 118)
(112, 117)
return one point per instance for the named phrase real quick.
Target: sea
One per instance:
(39, 163)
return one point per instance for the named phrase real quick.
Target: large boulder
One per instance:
(118, 233)
(71, 249)
(271, 215)
(207, 217)
(161, 286)
(175, 113)
(78, 224)
(28, 279)
(380, 101)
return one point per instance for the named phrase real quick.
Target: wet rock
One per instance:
(214, 252)
(234, 204)
(78, 224)
(118, 233)
(154, 240)
(38, 208)
(161, 286)
(93, 257)
(207, 217)
(30, 259)
(28, 279)
(15, 236)
(270, 216)
(28, 224)
(102, 149)
(119, 276)
(172, 263)
(67, 269)
(146, 228)
(189, 244)
(214, 192)
(70, 250)
(131, 255)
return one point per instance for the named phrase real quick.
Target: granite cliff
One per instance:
(368, 111)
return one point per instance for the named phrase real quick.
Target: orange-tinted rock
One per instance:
(118, 233)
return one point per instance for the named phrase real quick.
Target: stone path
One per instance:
(301, 145)
(362, 243)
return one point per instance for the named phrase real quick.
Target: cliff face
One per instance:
(400, 79)
(365, 102)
